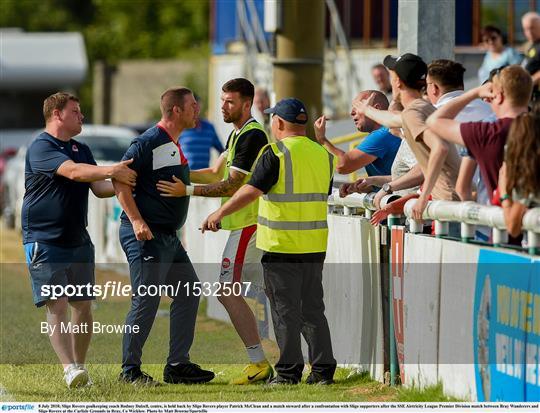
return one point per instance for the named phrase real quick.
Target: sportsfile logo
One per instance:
(17, 407)
(117, 289)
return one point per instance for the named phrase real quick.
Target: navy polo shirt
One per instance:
(55, 208)
(156, 157)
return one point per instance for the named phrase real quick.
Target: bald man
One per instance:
(376, 152)
(531, 29)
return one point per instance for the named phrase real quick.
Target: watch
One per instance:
(387, 188)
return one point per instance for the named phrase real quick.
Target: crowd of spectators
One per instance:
(482, 144)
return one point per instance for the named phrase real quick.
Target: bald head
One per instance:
(379, 99)
(531, 26)
(363, 123)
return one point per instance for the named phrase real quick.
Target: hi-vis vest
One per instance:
(248, 215)
(292, 216)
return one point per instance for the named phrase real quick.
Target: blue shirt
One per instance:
(55, 208)
(156, 157)
(197, 142)
(382, 144)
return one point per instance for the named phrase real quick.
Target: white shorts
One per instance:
(241, 260)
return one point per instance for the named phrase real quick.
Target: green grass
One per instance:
(29, 370)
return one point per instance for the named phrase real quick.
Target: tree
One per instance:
(117, 29)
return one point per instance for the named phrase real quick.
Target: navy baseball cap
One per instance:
(290, 109)
(410, 68)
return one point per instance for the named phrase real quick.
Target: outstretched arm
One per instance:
(382, 117)
(244, 196)
(224, 188)
(437, 155)
(83, 172)
(102, 189)
(347, 161)
(442, 121)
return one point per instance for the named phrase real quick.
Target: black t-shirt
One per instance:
(247, 148)
(532, 59)
(55, 208)
(266, 172)
(531, 63)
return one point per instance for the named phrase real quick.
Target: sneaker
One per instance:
(188, 373)
(255, 372)
(83, 367)
(75, 377)
(317, 378)
(280, 380)
(137, 377)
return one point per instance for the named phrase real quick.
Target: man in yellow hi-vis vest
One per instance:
(294, 177)
(241, 259)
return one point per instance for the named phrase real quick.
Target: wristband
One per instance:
(504, 198)
(190, 189)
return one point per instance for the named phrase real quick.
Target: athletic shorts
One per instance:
(241, 260)
(51, 265)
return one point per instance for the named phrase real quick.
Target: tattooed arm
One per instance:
(223, 188)
(226, 187)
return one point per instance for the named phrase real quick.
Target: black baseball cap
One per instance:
(410, 68)
(290, 109)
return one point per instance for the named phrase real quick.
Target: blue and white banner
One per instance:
(506, 336)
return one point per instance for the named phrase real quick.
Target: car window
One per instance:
(106, 148)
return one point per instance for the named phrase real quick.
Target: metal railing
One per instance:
(468, 214)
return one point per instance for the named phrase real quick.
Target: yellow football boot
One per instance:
(255, 372)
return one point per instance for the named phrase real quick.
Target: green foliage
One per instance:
(116, 30)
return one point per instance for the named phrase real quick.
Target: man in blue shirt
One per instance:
(375, 153)
(59, 171)
(196, 143)
(157, 259)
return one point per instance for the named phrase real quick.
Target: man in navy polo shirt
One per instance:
(58, 173)
(154, 253)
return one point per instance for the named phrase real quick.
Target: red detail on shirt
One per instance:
(183, 159)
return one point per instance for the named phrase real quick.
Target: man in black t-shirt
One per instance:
(59, 171)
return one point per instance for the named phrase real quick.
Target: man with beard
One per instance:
(241, 258)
